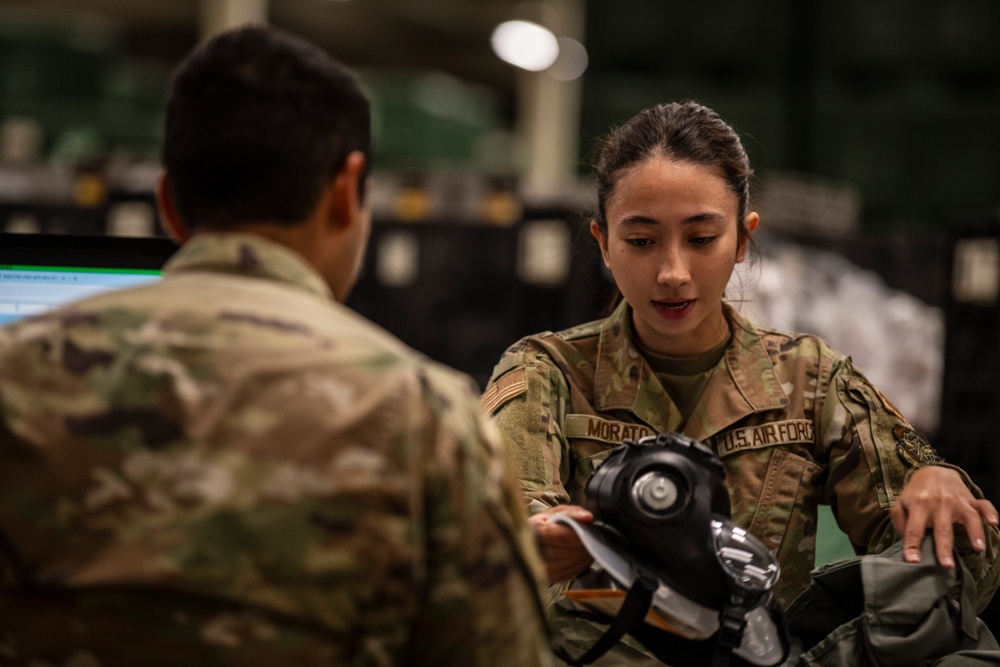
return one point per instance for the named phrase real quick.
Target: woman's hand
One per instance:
(564, 554)
(935, 497)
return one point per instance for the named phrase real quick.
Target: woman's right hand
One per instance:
(564, 554)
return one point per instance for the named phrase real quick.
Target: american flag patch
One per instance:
(507, 387)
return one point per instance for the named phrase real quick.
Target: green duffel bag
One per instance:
(879, 611)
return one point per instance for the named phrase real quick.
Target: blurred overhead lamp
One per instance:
(572, 61)
(526, 45)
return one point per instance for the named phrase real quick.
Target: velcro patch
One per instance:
(505, 388)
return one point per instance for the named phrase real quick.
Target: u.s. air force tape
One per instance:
(770, 434)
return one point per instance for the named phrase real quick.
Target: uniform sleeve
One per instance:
(872, 451)
(526, 398)
(484, 574)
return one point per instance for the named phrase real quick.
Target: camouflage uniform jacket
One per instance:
(228, 467)
(794, 422)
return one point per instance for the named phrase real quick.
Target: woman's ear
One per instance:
(602, 241)
(170, 219)
(749, 225)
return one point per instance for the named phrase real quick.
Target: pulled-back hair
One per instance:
(683, 131)
(258, 122)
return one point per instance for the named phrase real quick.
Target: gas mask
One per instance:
(698, 586)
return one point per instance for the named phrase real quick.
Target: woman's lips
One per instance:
(674, 310)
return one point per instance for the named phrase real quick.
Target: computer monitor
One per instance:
(42, 271)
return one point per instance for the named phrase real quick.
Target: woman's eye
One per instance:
(638, 243)
(702, 240)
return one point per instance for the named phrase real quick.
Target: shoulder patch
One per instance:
(505, 388)
(913, 449)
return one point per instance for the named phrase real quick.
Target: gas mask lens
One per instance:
(752, 569)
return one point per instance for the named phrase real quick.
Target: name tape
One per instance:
(750, 437)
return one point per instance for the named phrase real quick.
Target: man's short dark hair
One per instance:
(258, 122)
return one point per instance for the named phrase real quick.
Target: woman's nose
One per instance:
(673, 270)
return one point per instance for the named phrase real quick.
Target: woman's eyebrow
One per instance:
(708, 216)
(637, 220)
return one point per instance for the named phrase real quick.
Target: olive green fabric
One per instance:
(879, 611)
(685, 379)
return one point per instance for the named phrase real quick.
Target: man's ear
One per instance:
(345, 203)
(170, 219)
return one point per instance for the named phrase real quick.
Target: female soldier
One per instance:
(795, 423)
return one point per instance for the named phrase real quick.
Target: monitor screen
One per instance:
(42, 271)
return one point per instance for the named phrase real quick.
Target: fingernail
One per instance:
(980, 544)
(947, 562)
(994, 519)
(912, 557)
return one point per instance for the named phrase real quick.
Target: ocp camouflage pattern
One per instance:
(227, 467)
(796, 425)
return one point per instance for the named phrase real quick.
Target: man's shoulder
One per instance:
(225, 335)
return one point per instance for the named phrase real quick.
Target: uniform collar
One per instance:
(248, 255)
(623, 380)
(621, 369)
(751, 367)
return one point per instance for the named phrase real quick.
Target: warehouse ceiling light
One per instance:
(526, 45)
(572, 61)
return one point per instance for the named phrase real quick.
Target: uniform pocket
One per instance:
(786, 508)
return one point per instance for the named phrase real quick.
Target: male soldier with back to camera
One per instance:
(229, 466)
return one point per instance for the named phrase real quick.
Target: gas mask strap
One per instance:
(732, 623)
(634, 608)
